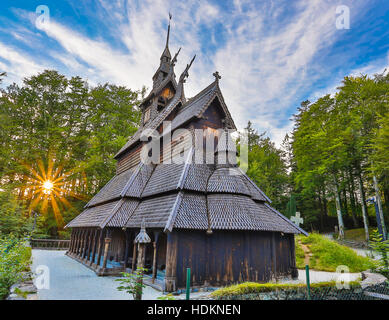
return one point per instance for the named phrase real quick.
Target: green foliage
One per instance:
(337, 142)
(167, 297)
(64, 120)
(300, 255)
(15, 258)
(382, 247)
(132, 283)
(254, 287)
(327, 255)
(267, 168)
(13, 218)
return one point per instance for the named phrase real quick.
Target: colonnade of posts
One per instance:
(91, 245)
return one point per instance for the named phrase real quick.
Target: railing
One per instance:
(49, 244)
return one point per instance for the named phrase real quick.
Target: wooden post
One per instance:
(81, 243)
(141, 239)
(101, 239)
(140, 265)
(77, 249)
(85, 244)
(71, 241)
(95, 240)
(76, 242)
(133, 258)
(127, 249)
(106, 247)
(89, 246)
(155, 245)
(171, 262)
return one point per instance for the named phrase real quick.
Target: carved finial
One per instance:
(217, 76)
(175, 58)
(185, 73)
(142, 236)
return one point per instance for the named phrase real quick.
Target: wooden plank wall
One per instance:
(129, 160)
(234, 256)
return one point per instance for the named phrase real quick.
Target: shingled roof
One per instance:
(186, 195)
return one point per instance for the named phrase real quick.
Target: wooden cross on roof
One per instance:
(217, 75)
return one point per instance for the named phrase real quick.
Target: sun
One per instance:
(49, 186)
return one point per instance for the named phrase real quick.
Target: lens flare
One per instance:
(48, 187)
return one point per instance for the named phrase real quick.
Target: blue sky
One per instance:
(271, 54)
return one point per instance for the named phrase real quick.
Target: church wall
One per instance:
(228, 257)
(128, 160)
(212, 117)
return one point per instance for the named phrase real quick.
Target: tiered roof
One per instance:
(188, 195)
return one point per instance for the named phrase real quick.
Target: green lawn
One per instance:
(356, 234)
(327, 255)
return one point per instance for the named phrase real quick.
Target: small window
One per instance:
(147, 115)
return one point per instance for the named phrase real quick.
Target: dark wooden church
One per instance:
(207, 216)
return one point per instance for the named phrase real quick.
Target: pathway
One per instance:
(70, 280)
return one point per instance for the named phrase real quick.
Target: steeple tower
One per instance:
(165, 63)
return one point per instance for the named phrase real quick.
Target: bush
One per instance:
(254, 288)
(382, 247)
(15, 258)
(327, 255)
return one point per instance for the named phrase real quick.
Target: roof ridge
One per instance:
(254, 184)
(185, 170)
(199, 95)
(173, 213)
(103, 188)
(286, 219)
(131, 180)
(110, 216)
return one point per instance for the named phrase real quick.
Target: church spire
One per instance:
(166, 52)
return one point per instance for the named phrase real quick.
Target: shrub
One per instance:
(15, 258)
(382, 247)
(255, 288)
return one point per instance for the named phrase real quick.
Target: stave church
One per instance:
(200, 212)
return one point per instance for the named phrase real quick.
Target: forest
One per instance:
(67, 131)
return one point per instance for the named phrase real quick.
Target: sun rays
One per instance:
(48, 187)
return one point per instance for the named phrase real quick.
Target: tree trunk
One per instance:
(364, 208)
(339, 210)
(352, 199)
(321, 211)
(378, 196)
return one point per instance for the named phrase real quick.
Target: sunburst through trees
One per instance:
(48, 187)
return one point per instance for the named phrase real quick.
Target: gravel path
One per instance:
(70, 280)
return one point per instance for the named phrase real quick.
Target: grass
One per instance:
(356, 234)
(254, 287)
(327, 255)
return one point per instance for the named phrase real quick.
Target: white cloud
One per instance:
(264, 55)
(17, 64)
